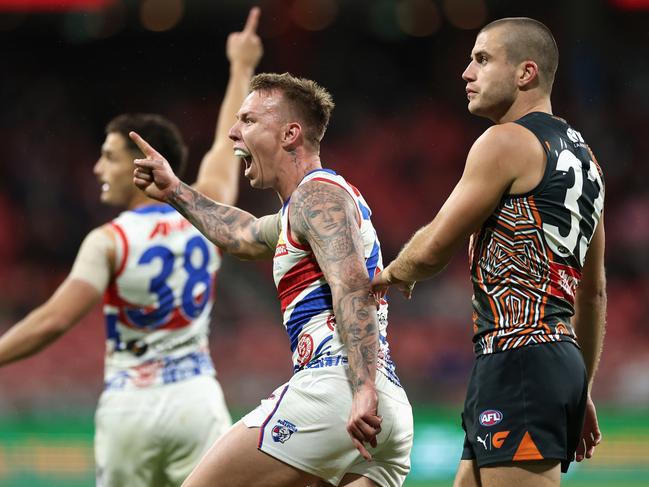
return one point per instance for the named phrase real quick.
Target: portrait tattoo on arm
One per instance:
(325, 216)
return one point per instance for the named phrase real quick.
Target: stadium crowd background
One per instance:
(400, 132)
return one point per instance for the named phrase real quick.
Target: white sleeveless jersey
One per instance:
(158, 302)
(305, 296)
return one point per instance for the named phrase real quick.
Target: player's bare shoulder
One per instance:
(105, 237)
(512, 151)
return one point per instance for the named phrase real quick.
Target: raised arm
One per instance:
(324, 216)
(218, 175)
(72, 300)
(235, 231)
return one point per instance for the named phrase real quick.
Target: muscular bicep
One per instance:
(491, 169)
(324, 216)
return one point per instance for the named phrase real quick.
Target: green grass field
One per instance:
(56, 451)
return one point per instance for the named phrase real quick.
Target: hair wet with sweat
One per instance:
(312, 103)
(529, 39)
(158, 131)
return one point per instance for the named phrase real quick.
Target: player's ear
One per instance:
(527, 75)
(291, 135)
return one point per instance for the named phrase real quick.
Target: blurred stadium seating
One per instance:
(400, 132)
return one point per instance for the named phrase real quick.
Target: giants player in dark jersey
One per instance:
(531, 198)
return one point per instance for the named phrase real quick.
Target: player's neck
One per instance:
(299, 166)
(139, 200)
(524, 105)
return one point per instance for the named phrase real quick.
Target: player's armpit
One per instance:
(267, 230)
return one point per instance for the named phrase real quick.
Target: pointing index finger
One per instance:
(252, 21)
(144, 146)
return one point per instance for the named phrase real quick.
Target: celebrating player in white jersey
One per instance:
(162, 407)
(325, 250)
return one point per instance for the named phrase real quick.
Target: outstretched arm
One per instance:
(235, 231)
(71, 301)
(324, 216)
(489, 173)
(218, 175)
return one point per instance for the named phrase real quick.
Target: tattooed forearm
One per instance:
(226, 226)
(359, 331)
(325, 216)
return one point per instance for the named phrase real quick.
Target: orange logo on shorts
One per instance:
(498, 439)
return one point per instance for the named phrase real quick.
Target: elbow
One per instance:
(52, 324)
(592, 293)
(55, 326)
(430, 260)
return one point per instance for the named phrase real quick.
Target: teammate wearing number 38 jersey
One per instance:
(157, 304)
(531, 200)
(161, 407)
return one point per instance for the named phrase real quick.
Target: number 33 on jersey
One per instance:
(527, 259)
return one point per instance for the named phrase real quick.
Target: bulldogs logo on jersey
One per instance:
(305, 349)
(282, 431)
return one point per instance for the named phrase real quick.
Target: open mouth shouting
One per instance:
(245, 157)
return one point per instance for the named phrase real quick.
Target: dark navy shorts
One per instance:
(525, 404)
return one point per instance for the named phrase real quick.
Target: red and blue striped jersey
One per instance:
(158, 302)
(305, 295)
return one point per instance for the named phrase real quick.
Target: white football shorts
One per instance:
(155, 437)
(303, 423)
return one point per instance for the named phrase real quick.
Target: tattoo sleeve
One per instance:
(235, 231)
(325, 216)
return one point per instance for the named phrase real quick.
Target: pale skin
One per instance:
(322, 216)
(506, 160)
(218, 177)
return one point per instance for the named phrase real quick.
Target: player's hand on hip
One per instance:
(364, 423)
(153, 175)
(591, 435)
(244, 48)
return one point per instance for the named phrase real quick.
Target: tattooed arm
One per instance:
(235, 231)
(325, 217)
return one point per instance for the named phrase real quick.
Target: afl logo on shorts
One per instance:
(282, 431)
(490, 417)
(304, 349)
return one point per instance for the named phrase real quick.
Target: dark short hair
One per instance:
(162, 134)
(527, 38)
(312, 103)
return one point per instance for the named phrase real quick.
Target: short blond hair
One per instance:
(312, 103)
